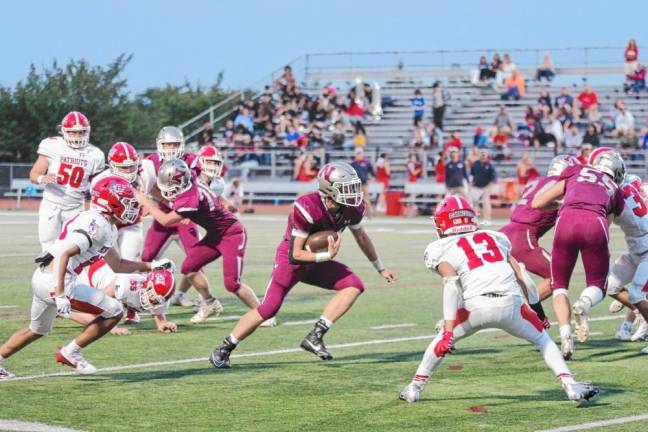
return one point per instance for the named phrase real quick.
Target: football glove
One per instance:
(63, 306)
(444, 346)
(163, 264)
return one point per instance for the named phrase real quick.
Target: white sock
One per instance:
(565, 331)
(72, 346)
(327, 321)
(429, 363)
(233, 339)
(593, 295)
(552, 356)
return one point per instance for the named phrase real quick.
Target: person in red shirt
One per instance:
(453, 141)
(304, 168)
(414, 168)
(588, 100)
(631, 55)
(525, 171)
(585, 151)
(439, 168)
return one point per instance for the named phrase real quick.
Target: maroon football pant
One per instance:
(527, 250)
(579, 232)
(230, 246)
(158, 237)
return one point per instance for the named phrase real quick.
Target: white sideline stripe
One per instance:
(254, 354)
(15, 425)
(392, 326)
(225, 318)
(598, 424)
(302, 322)
(8, 306)
(19, 255)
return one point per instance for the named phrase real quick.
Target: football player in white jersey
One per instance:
(65, 165)
(136, 291)
(83, 240)
(481, 289)
(630, 268)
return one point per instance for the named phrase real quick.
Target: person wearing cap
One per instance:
(484, 177)
(480, 139)
(365, 171)
(455, 174)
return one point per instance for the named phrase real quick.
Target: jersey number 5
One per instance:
(68, 174)
(492, 254)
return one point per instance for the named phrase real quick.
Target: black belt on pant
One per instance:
(494, 295)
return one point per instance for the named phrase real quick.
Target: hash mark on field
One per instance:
(15, 425)
(392, 326)
(598, 424)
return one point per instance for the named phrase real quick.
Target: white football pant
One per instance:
(629, 269)
(129, 241)
(51, 218)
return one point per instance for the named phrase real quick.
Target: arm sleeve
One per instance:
(451, 296)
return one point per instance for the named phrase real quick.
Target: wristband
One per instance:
(39, 179)
(378, 265)
(322, 256)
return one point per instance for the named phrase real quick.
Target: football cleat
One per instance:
(625, 332)
(75, 360)
(411, 393)
(579, 390)
(616, 306)
(220, 357)
(181, 299)
(272, 322)
(5, 374)
(214, 307)
(132, 317)
(641, 331)
(567, 347)
(314, 344)
(581, 319)
(645, 350)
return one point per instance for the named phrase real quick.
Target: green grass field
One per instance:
(502, 378)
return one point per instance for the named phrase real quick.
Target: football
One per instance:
(318, 241)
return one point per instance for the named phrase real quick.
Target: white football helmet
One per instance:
(339, 182)
(559, 163)
(611, 164)
(170, 143)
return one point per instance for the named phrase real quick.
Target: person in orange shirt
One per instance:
(515, 87)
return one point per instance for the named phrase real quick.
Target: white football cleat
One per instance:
(641, 331)
(181, 299)
(616, 306)
(581, 318)
(411, 393)
(272, 322)
(567, 347)
(5, 374)
(579, 390)
(625, 332)
(75, 360)
(206, 310)
(645, 350)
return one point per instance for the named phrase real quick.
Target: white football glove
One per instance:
(163, 264)
(63, 306)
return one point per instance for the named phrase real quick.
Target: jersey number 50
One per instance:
(70, 175)
(492, 254)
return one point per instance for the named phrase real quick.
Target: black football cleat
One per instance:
(220, 357)
(314, 344)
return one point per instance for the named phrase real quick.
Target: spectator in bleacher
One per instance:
(486, 71)
(418, 103)
(359, 135)
(514, 87)
(544, 100)
(439, 167)
(591, 136)
(588, 100)
(546, 69)
(244, 118)
(484, 178)
(304, 169)
(480, 139)
(439, 98)
(233, 192)
(505, 70)
(316, 137)
(636, 80)
(241, 138)
(631, 55)
(228, 132)
(453, 141)
(264, 112)
(365, 172)
(207, 135)
(287, 81)
(573, 138)
(623, 122)
(525, 171)
(555, 129)
(419, 135)
(502, 123)
(414, 168)
(291, 136)
(435, 134)
(383, 175)
(456, 174)
(268, 135)
(564, 98)
(496, 64)
(473, 156)
(584, 154)
(338, 137)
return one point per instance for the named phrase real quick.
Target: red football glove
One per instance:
(444, 346)
(546, 323)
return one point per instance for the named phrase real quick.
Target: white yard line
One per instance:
(257, 354)
(8, 306)
(15, 425)
(302, 322)
(225, 318)
(598, 424)
(392, 326)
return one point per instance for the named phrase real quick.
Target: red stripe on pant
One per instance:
(82, 306)
(529, 315)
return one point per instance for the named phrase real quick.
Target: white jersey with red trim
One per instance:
(93, 235)
(127, 291)
(480, 259)
(73, 169)
(633, 221)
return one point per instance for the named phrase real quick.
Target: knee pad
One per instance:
(232, 285)
(113, 308)
(268, 310)
(560, 291)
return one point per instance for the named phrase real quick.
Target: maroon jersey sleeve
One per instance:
(358, 215)
(302, 217)
(187, 201)
(193, 162)
(618, 202)
(569, 172)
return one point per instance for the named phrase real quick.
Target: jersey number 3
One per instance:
(492, 254)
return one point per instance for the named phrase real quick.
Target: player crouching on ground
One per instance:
(338, 204)
(84, 239)
(481, 289)
(136, 291)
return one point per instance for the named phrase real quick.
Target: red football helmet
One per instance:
(157, 289)
(124, 161)
(455, 215)
(598, 151)
(115, 196)
(75, 128)
(211, 160)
